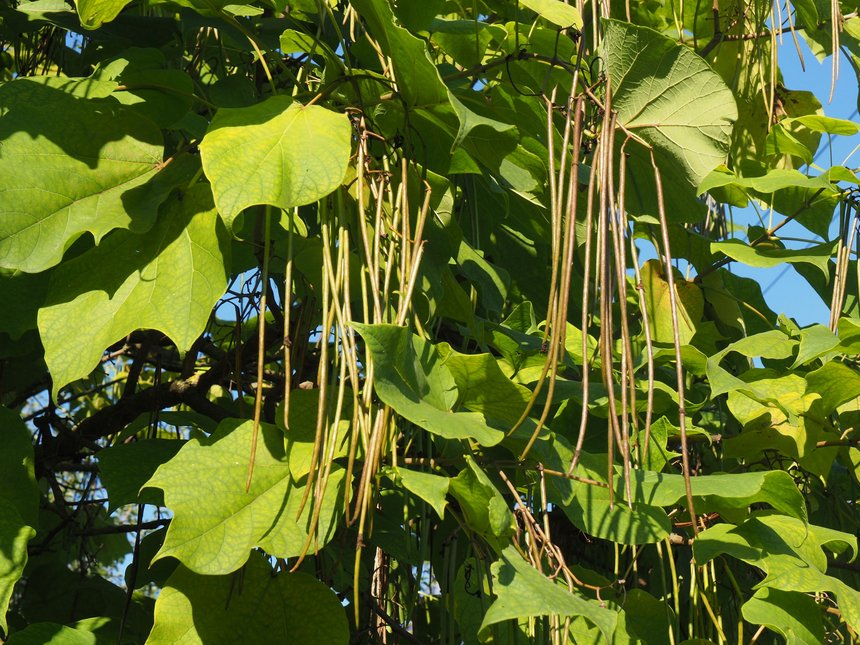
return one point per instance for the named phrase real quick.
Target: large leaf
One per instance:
(215, 526)
(409, 377)
(91, 171)
(556, 12)
(770, 344)
(277, 152)
(689, 299)
(794, 615)
(52, 634)
(523, 592)
(755, 256)
(836, 383)
(419, 82)
(126, 467)
(736, 490)
(667, 96)
(788, 551)
(168, 280)
(484, 509)
(429, 487)
(253, 606)
(19, 504)
(95, 12)
(483, 387)
(591, 511)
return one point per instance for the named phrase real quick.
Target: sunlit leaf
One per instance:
(688, 297)
(668, 97)
(429, 487)
(792, 614)
(557, 12)
(277, 152)
(215, 527)
(94, 170)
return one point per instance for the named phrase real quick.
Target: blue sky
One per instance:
(785, 290)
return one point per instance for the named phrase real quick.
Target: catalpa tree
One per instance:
(332, 321)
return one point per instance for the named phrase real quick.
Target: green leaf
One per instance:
(483, 387)
(215, 526)
(557, 12)
(14, 536)
(148, 87)
(815, 341)
(787, 550)
(669, 97)
(254, 606)
(431, 488)
(168, 280)
(418, 80)
(51, 634)
(591, 511)
(819, 123)
(93, 13)
(523, 592)
(794, 615)
(94, 170)
(21, 294)
(755, 256)
(276, 152)
(770, 344)
(836, 383)
(304, 406)
(409, 377)
(126, 467)
(19, 504)
(484, 509)
(737, 490)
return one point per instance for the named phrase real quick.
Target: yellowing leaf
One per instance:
(689, 299)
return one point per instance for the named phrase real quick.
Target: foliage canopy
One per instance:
(334, 321)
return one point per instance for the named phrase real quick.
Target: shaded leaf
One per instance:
(794, 615)
(51, 634)
(737, 490)
(483, 387)
(19, 504)
(409, 377)
(167, 280)
(92, 171)
(126, 467)
(836, 383)
(484, 509)
(522, 592)
(254, 606)
(815, 341)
